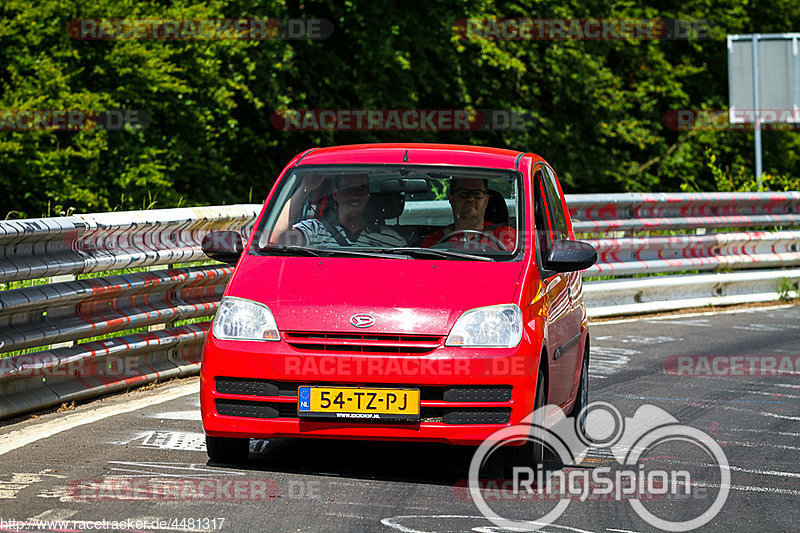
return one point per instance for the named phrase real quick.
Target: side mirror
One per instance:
(224, 246)
(569, 256)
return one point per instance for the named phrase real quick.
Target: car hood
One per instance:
(404, 296)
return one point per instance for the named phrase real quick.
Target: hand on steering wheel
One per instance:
(494, 241)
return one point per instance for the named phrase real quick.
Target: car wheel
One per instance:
(530, 454)
(226, 450)
(582, 396)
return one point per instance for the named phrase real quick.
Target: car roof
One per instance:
(413, 154)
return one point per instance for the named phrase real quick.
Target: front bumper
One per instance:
(249, 389)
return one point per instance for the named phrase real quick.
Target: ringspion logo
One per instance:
(633, 442)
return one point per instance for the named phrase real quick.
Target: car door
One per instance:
(563, 320)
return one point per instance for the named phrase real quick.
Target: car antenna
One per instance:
(405, 157)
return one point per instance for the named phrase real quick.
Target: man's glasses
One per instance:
(478, 194)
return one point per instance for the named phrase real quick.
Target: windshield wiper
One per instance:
(430, 252)
(289, 250)
(364, 252)
(327, 252)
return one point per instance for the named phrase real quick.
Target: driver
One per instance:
(351, 194)
(468, 198)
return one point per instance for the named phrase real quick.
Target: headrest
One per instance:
(496, 209)
(383, 206)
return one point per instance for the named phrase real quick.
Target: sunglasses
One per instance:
(478, 194)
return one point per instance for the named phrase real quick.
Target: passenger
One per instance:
(350, 228)
(468, 198)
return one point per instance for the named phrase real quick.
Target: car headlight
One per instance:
(244, 320)
(496, 326)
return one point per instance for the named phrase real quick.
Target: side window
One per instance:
(541, 215)
(557, 215)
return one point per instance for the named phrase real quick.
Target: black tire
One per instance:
(227, 450)
(530, 454)
(582, 396)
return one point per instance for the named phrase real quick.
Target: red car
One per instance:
(410, 292)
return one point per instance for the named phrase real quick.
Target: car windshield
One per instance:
(407, 212)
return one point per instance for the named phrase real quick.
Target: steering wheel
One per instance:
(494, 241)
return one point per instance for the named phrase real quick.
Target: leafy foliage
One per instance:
(598, 107)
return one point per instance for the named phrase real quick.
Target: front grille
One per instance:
(251, 409)
(255, 409)
(477, 416)
(478, 393)
(451, 393)
(379, 343)
(246, 387)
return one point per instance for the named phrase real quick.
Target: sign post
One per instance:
(763, 82)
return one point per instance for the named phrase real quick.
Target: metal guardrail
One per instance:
(643, 255)
(39, 248)
(600, 213)
(620, 297)
(55, 317)
(628, 231)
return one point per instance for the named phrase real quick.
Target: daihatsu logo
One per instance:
(362, 320)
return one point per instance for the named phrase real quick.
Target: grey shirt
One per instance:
(316, 233)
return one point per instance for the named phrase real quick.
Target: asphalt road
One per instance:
(82, 466)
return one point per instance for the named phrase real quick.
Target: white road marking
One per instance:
(760, 327)
(697, 322)
(673, 316)
(18, 482)
(182, 470)
(637, 339)
(764, 393)
(708, 403)
(54, 514)
(759, 445)
(21, 437)
(393, 522)
(762, 413)
(54, 493)
(732, 468)
(760, 472)
(172, 440)
(607, 360)
(747, 488)
(759, 431)
(193, 415)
